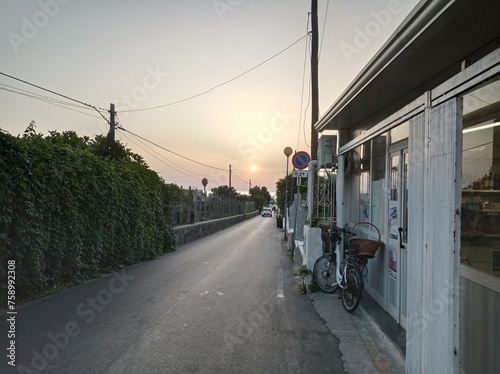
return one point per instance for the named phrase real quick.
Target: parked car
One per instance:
(266, 212)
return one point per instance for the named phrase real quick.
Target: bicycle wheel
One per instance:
(353, 288)
(324, 272)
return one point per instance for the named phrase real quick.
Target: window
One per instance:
(378, 201)
(480, 240)
(364, 182)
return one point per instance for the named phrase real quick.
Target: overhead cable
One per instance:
(218, 85)
(168, 150)
(56, 93)
(51, 101)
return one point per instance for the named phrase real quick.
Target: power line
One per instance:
(52, 92)
(36, 96)
(302, 91)
(48, 100)
(168, 150)
(57, 94)
(324, 27)
(218, 85)
(167, 161)
(238, 177)
(147, 151)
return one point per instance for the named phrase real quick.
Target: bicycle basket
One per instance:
(366, 247)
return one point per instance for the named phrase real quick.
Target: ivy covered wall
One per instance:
(69, 213)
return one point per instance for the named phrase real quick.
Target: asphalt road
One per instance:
(224, 304)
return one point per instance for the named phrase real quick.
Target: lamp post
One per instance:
(288, 152)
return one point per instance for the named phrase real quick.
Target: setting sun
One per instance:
(253, 169)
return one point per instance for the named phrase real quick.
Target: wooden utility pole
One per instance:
(112, 122)
(229, 175)
(110, 139)
(314, 79)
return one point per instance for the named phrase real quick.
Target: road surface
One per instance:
(227, 303)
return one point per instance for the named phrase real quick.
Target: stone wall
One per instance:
(188, 233)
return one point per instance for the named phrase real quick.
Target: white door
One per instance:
(398, 233)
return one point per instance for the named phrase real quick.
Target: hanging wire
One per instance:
(168, 150)
(220, 84)
(303, 82)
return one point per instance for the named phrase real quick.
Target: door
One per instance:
(398, 233)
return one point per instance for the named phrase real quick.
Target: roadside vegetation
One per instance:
(71, 210)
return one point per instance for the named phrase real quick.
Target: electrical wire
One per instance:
(147, 151)
(305, 114)
(233, 173)
(168, 163)
(220, 84)
(57, 94)
(303, 83)
(52, 102)
(36, 96)
(52, 92)
(168, 150)
(324, 27)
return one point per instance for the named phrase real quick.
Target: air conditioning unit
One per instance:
(327, 150)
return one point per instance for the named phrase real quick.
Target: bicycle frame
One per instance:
(340, 251)
(341, 261)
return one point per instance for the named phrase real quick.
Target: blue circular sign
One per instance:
(301, 159)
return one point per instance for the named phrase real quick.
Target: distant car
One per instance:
(266, 212)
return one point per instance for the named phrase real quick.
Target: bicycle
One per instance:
(325, 267)
(349, 277)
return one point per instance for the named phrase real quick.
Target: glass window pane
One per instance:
(480, 220)
(364, 183)
(378, 201)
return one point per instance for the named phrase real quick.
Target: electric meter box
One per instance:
(327, 150)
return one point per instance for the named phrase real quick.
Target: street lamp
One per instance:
(288, 152)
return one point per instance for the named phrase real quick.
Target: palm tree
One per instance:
(204, 182)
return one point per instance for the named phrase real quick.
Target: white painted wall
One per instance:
(434, 204)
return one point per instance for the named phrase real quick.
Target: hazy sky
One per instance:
(144, 54)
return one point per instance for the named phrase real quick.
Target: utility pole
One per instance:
(110, 139)
(314, 79)
(249, 185)
(112, 123)
(229, 175)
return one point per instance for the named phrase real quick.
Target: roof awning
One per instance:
(427, 49)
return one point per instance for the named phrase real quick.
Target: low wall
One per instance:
(188, 233)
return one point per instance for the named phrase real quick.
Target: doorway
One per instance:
(398, 234)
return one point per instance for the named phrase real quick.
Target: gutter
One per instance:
(421, 17)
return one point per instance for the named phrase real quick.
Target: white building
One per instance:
(420, 130)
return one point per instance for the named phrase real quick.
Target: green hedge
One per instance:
(68, 214)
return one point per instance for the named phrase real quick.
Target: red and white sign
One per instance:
(300, 160)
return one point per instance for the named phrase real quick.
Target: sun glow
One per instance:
(253, 169)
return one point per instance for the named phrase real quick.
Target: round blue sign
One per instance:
(301, 159)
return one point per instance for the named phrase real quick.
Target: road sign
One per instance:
(299, 173)
(300, 160)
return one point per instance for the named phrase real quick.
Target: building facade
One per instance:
(419, 157)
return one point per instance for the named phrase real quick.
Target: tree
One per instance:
(281, 186)
(260, 196)
(224, 191)
(204, 182)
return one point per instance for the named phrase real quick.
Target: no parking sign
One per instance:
(300, 160)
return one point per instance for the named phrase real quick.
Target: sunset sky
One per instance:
(198, 75)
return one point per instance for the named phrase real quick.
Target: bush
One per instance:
(68, 214)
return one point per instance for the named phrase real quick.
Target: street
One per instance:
(225, 304)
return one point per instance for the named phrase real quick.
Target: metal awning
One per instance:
(428, 48)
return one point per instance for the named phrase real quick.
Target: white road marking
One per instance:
(280, 294)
